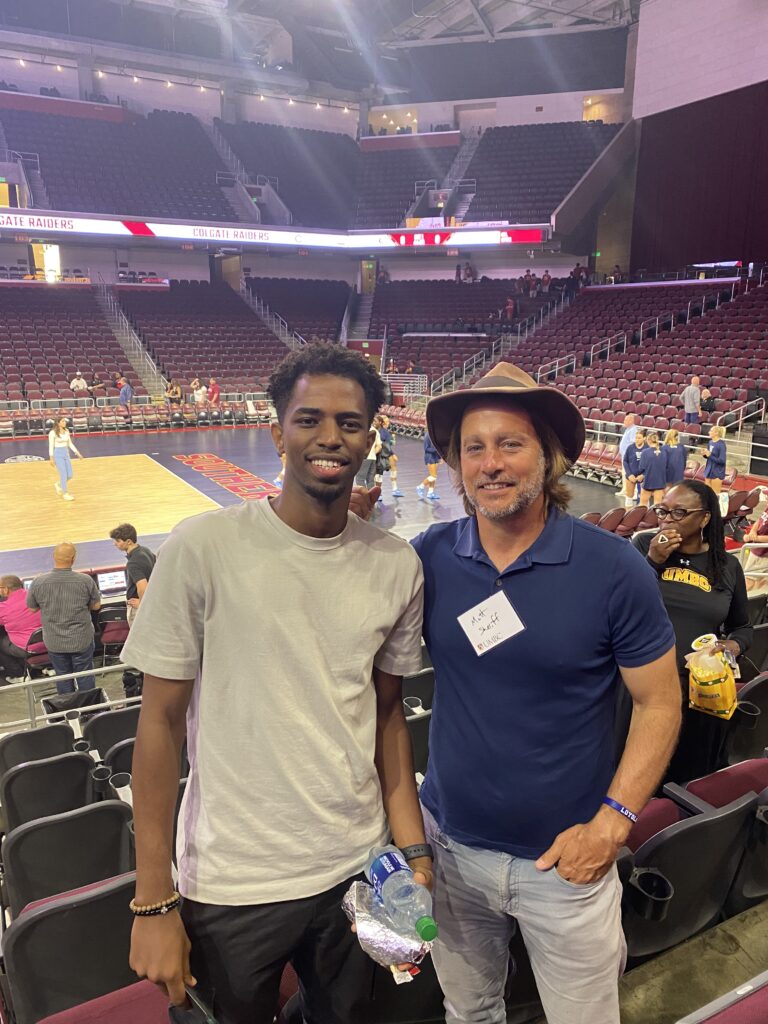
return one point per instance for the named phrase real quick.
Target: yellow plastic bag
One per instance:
(711, 683)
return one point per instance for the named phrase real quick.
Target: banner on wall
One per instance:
(57, 224)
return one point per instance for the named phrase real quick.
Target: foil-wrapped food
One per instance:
(377, 936)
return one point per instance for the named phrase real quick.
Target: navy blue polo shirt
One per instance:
(521, 740)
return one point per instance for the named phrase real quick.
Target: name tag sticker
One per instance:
(490, 623)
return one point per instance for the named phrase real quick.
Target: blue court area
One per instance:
(156, 480)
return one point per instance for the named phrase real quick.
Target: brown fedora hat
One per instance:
(508, 381)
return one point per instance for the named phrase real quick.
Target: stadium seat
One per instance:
(34, 745)
(99, 917)
(64, 851)
(51, 785)
(107, 728)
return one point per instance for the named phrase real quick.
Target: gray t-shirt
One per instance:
(281, 632)
(691, 398)
(64, 598)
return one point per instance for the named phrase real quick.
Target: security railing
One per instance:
(563, 364)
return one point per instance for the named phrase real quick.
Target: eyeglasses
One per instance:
(675, 514)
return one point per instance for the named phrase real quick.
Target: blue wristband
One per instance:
(621, 809)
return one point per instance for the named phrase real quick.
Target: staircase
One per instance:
(135, 352)
(271, 208)
(358, 328)
(461, 162)
(459, 211)
(276, 324)
(40, 198)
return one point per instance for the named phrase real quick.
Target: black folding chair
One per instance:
(106, 729)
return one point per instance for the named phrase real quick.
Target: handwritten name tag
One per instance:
(490, 623)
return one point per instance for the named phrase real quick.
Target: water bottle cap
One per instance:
(426, 929)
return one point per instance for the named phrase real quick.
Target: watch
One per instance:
(416, 851)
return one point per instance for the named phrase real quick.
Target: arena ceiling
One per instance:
(409, 23)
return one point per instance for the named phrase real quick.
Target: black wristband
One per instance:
(416, 851)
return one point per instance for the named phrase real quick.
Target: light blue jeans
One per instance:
(64, 466)
(572, 933)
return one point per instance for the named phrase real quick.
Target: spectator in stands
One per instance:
(618, 275)
(676, 457)
(96, 384)
(717, 456)
(510, 310)
(457, 276)
(214, 392)
(703, 590)
(173, 393)
(546, 281)
(535, 285)
(17, 624)
(78, 383)
(520, 286)
(691, 399)
(432, 459)
(126, 394)
(116, 378)
(627, 438)
(526, 813)
(199, 391)
(572, 283)
(367, 472)
(140, 562)
(653, 470)
(60, 444)
(470, 274)
(383, 276)
(392, 366)
(632, 472)
(527, 279)
(707, 401)
(65, 599)
(257, 895)
(756, 561)
(410, 367)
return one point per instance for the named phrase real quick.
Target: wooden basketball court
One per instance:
(107, 490)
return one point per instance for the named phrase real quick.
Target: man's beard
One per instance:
(325, 495)
(523, 496)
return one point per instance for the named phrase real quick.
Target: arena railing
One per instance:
(738, 415)
(407, 383)
(42, 688)
(62, 403)
(562, 364)
(603, 349)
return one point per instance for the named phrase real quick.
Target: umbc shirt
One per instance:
(521, 742)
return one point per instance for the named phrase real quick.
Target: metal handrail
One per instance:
(658, 321)
(422, 185)
(273, 320)
(28, 687)
(561, 362)
(746, 411)
(407, 383)
(605, 346)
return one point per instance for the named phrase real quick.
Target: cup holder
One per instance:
(649, 893)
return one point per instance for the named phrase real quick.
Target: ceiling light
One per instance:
(346, 110)
(408, 114)
(59, 67)
(22, 62)
(202, 88)
(317, 106)
(99, 74)
(384, 117)
(291, 103)
(169, 84)
(262, 97)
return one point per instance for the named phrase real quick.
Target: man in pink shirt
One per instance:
(18, 623)
(214, 392)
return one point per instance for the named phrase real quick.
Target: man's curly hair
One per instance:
(320, 359)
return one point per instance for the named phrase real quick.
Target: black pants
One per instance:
(11, 657)
(238, 956)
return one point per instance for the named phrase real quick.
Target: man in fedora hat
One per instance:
(532, 619)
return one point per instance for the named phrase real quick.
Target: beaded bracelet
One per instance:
(152, 909)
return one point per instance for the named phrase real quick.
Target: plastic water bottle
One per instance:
(408, 904)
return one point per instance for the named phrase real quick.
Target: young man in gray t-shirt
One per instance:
(274, 634)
